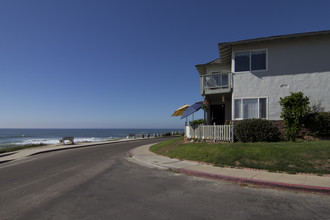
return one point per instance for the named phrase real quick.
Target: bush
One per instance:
(197, 122)
(256, 130)
(318, 124)
(167, 134)
(295, 108)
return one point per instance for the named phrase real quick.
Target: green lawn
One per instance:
(291, 157)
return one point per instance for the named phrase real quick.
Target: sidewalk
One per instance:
(301, 182)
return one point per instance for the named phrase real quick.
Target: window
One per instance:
(242, 61)
(250, 108)
(262, 108)
(258, 60)
(250, 60)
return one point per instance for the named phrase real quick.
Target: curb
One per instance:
(305, 188)
(288, 186)
(5, 161)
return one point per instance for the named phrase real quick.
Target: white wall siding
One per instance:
(293, 65)
(217, 68)
(314, 85)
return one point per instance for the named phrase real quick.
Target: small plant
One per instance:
(196, 122)
(256, 130)
(205, 107)
(228, 122)
(295, 108)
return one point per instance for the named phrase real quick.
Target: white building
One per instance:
(250, 76)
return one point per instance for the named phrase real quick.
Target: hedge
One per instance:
(256, 130)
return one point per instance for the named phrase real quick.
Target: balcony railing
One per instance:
(216, 83)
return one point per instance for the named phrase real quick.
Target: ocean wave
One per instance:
(38, 141)
(95, 139)
(56, 141)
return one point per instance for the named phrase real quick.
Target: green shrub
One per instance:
(255, 130)
(196, 122)
(228, 122)
(295, 108)
(167, 134)
(318, 124)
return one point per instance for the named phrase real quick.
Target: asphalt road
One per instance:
(101, 182)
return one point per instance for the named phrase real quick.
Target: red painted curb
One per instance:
(308, 188)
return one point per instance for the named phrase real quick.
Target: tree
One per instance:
(295, 108)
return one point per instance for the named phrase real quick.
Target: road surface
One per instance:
(100, 182)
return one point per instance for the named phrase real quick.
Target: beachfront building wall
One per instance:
(292, 65)
(216, 88)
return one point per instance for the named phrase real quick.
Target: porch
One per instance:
(219, 109)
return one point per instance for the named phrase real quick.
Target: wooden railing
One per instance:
(211, 132)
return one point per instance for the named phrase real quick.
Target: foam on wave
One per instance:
(56, 141)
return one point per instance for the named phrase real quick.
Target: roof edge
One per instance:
(201, 68)
(216, 61)
(276, 37)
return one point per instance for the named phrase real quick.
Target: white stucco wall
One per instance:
(293, 65)
(314, 85)
(218, 68)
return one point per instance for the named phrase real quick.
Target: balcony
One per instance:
(216, 83)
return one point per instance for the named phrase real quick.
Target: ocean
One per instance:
(12, 137)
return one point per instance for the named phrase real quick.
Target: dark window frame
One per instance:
(252, 62)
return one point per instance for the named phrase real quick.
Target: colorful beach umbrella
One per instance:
(180, 110)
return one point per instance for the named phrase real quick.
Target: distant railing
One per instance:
(211, 132)
(216, 81)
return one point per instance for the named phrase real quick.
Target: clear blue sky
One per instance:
(124, 64)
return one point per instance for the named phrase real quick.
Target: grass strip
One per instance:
(20, 147)
(290, 157)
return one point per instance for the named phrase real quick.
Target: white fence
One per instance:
(211, 132)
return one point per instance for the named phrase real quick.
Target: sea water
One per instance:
(12, 137)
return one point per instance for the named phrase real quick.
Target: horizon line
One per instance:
(91, 128)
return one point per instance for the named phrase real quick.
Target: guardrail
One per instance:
(211, 132)
(220, 81)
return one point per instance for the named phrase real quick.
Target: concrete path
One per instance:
(259, 177)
